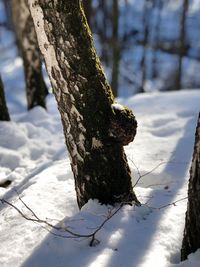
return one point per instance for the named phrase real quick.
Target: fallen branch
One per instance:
(72, 234)
(140, 176)
(167, 205)
(94, 241)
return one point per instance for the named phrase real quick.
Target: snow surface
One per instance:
(34, 158)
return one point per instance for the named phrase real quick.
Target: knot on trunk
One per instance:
(123, 125)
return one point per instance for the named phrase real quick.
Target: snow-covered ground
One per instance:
(33, 156)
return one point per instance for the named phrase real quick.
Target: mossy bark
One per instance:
(85, 101)
(36, 90)
(191, 239)
(4, 115)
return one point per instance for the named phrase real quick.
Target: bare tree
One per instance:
(191, 240)
(36, 89)
(182, 44)
(158, 5)
(102, 26)
(145, 43)
(4, 115)
(115, 47)
(95, 128)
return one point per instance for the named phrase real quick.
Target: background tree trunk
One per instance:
(115, 47)
(145, 42)
(87, 4)
(191, 239)
(158, 6)
(84, 99)
(182, 45)
(36, 90)
(4, 115)
(102, 26)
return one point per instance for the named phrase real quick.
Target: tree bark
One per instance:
(4, 115)
(191, 240)
(36, 90)
(84, 98)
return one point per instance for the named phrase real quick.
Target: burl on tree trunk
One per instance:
(191, 239)
(95, 128)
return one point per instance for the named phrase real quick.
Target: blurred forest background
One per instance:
(144, 45)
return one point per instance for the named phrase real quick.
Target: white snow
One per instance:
(33, 157)
(117, 106)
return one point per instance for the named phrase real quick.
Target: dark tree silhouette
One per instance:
(191, 240)
(4, 115)
(182, 45)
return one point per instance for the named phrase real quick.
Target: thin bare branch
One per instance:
(72, 234)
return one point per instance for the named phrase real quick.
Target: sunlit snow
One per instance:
(33, 157)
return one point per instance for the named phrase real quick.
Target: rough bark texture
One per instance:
(85, 101)
(191, 239)
(4, 115)
(36, 89)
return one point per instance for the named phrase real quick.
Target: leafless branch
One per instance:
(140, 176)
(167, 205)
(71, 234)
(45, 224)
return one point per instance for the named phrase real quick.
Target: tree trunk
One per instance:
(191, 240)
(115, 47)
(4, 115)
(182, 45)
(36, 90)
(84, 98)
(144, 56)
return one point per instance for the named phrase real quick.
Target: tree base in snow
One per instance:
(191, 239)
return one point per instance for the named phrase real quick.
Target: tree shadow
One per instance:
(181, 153)
(125, 241)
